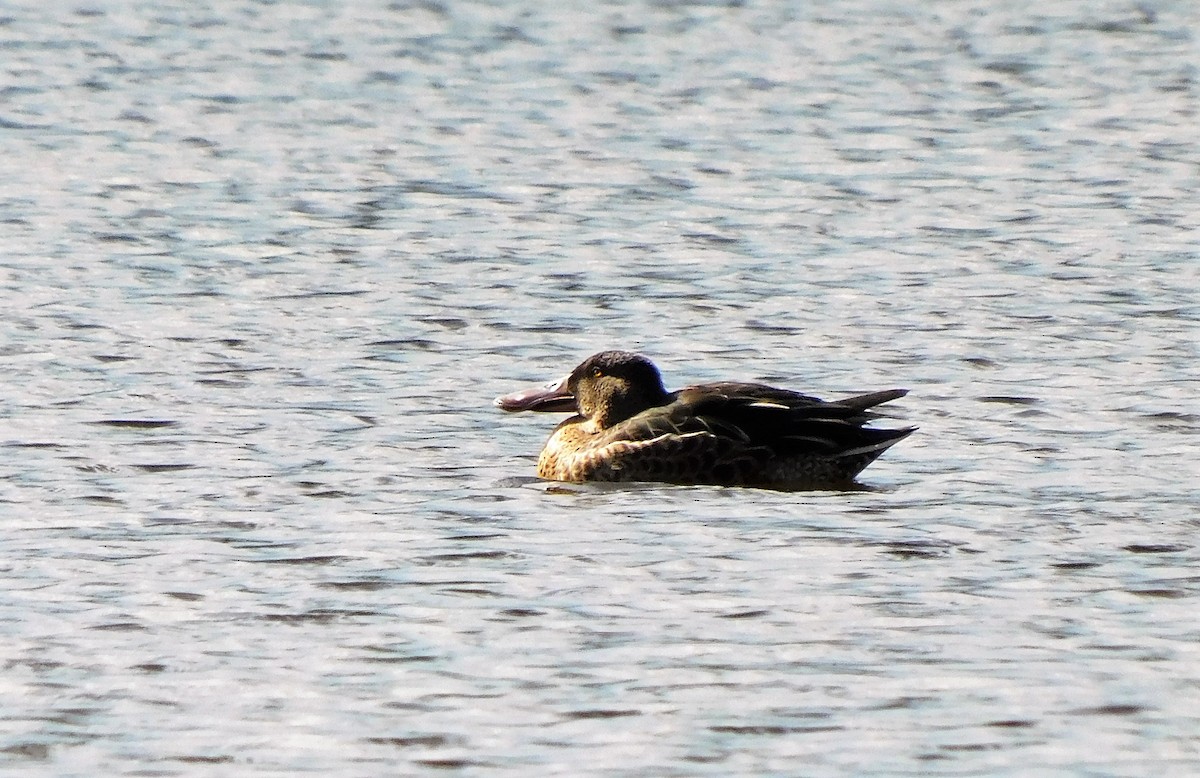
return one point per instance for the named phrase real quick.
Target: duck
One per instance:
(625, 426)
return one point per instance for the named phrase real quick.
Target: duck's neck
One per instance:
(626, 406)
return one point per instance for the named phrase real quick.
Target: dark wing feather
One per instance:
(784, 422)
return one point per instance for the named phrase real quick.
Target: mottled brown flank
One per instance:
(572, 454)
(575, 455)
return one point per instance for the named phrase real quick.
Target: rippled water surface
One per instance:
(265, 264)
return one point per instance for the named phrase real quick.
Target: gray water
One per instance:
(265, 265)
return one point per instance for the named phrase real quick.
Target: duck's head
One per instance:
(606, 389)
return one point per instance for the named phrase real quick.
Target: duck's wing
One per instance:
(737, 394)
(786, 423)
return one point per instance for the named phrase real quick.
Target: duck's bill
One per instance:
(552, 397)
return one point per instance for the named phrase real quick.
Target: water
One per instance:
(266, 264)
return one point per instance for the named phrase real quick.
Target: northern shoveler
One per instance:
(627, 427)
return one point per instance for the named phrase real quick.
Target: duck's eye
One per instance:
(597, 372)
